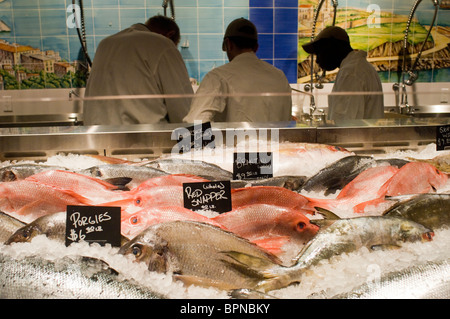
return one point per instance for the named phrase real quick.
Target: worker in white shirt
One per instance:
(140, 60)
(233, 92)
(333, 50)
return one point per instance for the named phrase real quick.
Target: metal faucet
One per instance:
(410, 76)
(319, 85)
(165, 4)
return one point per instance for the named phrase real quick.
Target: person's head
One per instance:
(330, 46)
(240, 36)
(165, 26)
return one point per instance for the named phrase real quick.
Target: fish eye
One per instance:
(136, 251)
(134, 219)
(26, 234)
(138, 201)
(301, 225)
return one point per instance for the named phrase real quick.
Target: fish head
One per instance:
(410, 231)
(151, 250)
(136, 222)
(25, 234)
(8, 176)
(299, 224)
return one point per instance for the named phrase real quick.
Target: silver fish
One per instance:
(343, 236)
(17, 172)
(8, 225)
(53, 226)
(197, 253)
(293, 183)
(430, 210)
(66, 278)
(430, 280)
(123, 174)
(203, 169)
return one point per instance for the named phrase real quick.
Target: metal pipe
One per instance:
(167, 3)
(312, 107)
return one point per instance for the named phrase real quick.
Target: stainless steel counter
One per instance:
(151, 141)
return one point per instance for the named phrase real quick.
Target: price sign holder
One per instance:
(442, 137)
(93, 224)
(252, 165)
(215, 196)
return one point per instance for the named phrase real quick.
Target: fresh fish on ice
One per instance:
(203, 169)
(17, 172)
(270, 195)
(8, 226)
(28, 200)
(441, 162)
(133, 224)
(169, 180)
(125, 172)
(293, 183)
(430, 210)
(97, 190)
(335, 176)
(427, 281)
(197, 253)
(66, 278)
(343, 236)
(271, 227)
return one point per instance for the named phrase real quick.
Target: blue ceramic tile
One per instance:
(236, 3)
(106, 21)
(260, 3)
(285, 46)
(289, 67)
(184, 3)
(211, 20)
(191, 52)
(132, 3)
(209, 3)
(193, 69)
(129, 17)
(286, 20)
(186, 19)
(53, 4)
(230, 14)
(286, 3)
(105, 4)
(263, 19)
(265, 50)
(52, 23)
(211, 46)
(57, 44)
(25, 4)
(26, 23)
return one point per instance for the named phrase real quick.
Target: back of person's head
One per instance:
(242, 33)
(165, 26)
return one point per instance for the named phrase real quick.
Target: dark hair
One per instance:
(162, 25)
(244, 43)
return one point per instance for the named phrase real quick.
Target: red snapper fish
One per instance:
(269, 226)
(271, 195)
(170, 180)
(133, 224)
(27, 200)
(95, 189)
(370, 188)
(148, 198)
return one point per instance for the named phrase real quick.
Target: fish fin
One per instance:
(202, 282)
(272, 244)
(247, 260)
(327, 214)
(322, 223)
(119, 182)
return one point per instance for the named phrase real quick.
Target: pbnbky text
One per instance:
(227, 308)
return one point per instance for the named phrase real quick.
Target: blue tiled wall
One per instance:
(43, 24)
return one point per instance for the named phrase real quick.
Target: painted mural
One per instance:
(378, 27)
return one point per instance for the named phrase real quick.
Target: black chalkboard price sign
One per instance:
(215, 196)
(443, 137)
(252, 165)
(93, 224)
(194, 137)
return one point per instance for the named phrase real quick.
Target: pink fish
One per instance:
(135, 223)
(95, 189)
(170, 180)
(415, 178)
(27, 200)
(271, 195)
(269, 226)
